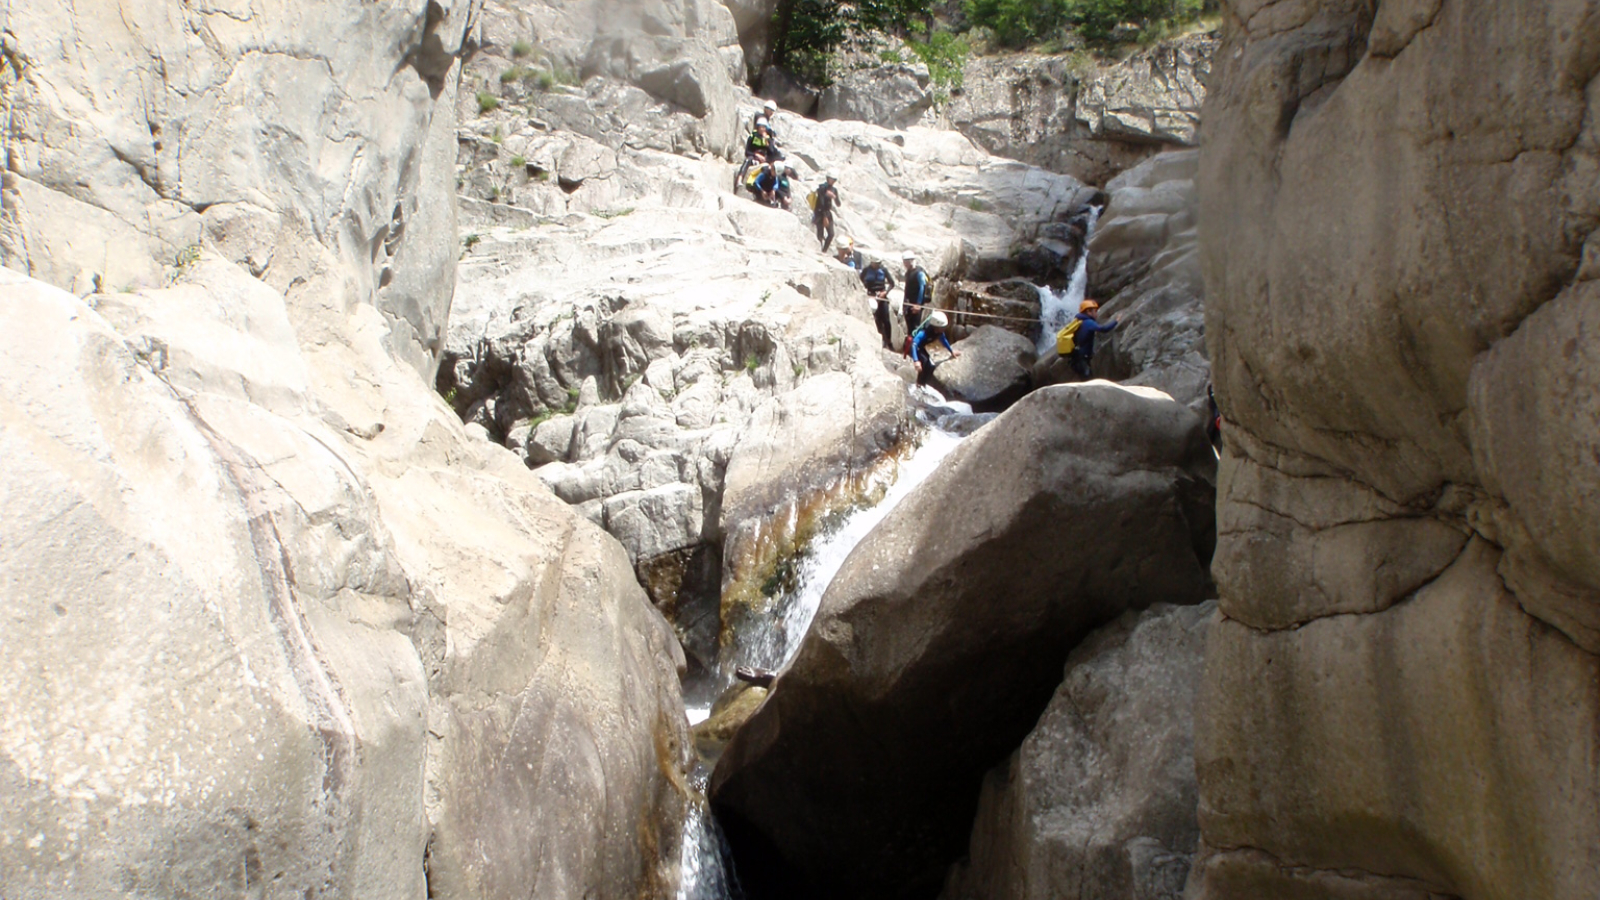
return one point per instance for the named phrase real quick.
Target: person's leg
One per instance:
(925, 370)
(1079, 363)
(880, 316)
(828, 223)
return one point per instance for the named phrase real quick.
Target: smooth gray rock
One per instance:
(1100, 801)
(1401, 695)
(943, 635)
(993, 371)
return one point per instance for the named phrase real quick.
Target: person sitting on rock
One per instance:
(1082, 356)
(925, 335)
(784, 193)
(822, 216)
(848, 254)
(766, 185)
(918, 291)
(878, 282)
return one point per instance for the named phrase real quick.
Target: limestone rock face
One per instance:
(943, 635)
(1085, 120)
(1408, 620)
(993, 371)
(276, 117)
(1144, 266)
(284, 627)
(1100, 800)
(891, 96)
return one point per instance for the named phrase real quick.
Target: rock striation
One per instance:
(1099, 802)
(283, 626)
(942, 637)
(1401, 694)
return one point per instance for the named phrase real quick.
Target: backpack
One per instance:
(1067, 338)
(751, 176)
(811, 200)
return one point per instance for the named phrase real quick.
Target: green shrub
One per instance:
(518, 162)
(521, 49)
(1017, 23)
(487, 102)
(945, 55)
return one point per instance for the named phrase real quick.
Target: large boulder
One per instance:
(1100, 800)
(943, 635)
(1401, 695)
(1144, 263)
(993, 371)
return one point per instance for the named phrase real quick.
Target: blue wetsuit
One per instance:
(919, 350)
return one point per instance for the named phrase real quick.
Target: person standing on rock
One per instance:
(822, 216)
(785, 191)
(930, 331)
(878, 282)
(917, 291)
(1082, 356)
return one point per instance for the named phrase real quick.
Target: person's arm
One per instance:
(946, 338)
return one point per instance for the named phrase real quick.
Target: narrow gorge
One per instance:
(431, 474)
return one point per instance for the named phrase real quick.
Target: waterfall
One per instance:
(706, 874)
(1056, 309)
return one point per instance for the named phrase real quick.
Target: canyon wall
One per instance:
(1399, 202)
(277, 624)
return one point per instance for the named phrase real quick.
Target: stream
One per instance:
(705, 862)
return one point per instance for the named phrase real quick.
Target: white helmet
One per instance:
(908, 255)
(770, 106)
(760, 121)
(938, 319)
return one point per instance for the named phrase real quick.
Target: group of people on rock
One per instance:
(771, 182)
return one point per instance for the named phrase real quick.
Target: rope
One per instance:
(961, 312)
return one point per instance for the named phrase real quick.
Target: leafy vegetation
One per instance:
(945, 55)
(487, 102)
(1102, 23)
(521, 49)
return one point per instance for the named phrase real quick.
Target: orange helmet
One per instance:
(1088, 306)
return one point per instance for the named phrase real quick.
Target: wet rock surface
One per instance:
(943, 636)
(1100, 801)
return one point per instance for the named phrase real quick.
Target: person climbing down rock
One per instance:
(925, 335)
(877, 280)
(822, 214)
(1213, 420)
(760, 148)
(1076, 340)
(917, 291)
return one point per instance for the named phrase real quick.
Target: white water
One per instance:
(1057, 309)
(704, 874)
(827, 553)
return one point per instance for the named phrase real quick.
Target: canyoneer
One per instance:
(848, 254)
(878, 282)
(1075, 342)
(931, 330)
(827, 197)
(916, 292)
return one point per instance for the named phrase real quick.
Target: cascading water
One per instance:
(1056, 309)
(705, 873)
